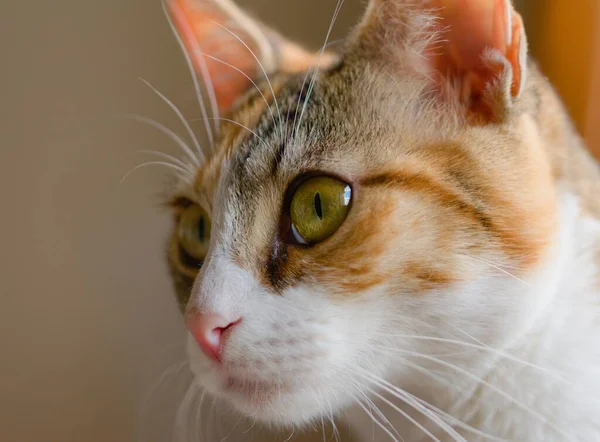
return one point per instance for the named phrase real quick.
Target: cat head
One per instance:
(357, 205)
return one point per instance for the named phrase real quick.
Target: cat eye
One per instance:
(318, 208)
(193, 233)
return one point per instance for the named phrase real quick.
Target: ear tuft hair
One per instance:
(473, 51)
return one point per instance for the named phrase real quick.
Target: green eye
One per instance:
(194, 232)
(318, 208)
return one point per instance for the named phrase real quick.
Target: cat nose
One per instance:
(208, 330)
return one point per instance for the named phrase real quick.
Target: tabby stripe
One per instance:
(421, 183)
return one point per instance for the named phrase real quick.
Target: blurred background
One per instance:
(90, 336)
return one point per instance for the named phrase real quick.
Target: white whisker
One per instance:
(171, 158)
(442, 414)
(237, 123)
(291, 436)
(454, 421)
(314, 77)
(480, 381)
(154, 389)
(198, 422)
(260, 92)
(232, 429)
(203, 67)
(369, 402)
(168, 132)
(370, 414)
(397, 392)
(500, 269)
(504, 355)
(429, 373)
(260, 65)
(336, 433)
(183, 172)
(251, 426)
(181, 421)
(179, 115)
(481, 347)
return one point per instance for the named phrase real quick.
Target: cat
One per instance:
(400, 236)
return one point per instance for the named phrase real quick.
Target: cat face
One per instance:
(357, 202)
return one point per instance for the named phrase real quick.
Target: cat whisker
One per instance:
(180, 430)
(262, 140)
(198, 419)
(428, 372)
(370, 403)
(294, 131)
(232, 429)
(153, 390)
(291, 436)
(179, 115)
(260, 92)
(399, 393)
(454, 421)
(482, 347)
(168, 132)
(503, 266)
(500, 269)
(406, 415)
(262, 68)
(203, 67)
(504, 355)
(171, 158)
(316, 72)
(441, 419)
(183, 173)
(251, 425)
(374, 419)
(481, 382)
(335, 433)
(458, 423)
(216, 427)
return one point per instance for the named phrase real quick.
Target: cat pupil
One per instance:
(318, 207)
(201, 227)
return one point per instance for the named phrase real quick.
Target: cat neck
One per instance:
(546, 378)
(572, 165)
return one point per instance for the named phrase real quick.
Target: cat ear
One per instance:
(474, 51)
(228, 48)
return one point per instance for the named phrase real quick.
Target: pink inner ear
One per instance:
(470, 29)
(213, 49)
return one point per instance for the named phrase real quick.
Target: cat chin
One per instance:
(278, 405)
(294, 408)
(296, 402)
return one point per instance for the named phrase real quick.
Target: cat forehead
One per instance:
(331, 123)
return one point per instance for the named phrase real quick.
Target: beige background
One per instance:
(87, 321)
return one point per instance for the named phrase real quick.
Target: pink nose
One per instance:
(208, 331)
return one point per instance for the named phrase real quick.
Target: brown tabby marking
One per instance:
(249, 109)
(423, 184)
(515, 244)
(426, 276)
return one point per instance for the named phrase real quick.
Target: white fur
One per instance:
(544, 369)
(557, 332)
